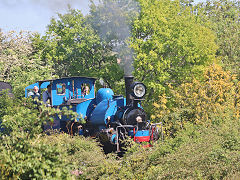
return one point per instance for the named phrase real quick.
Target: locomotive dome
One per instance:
(104, 93)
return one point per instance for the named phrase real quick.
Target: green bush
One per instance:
(27, 158)
(26, 152)
(84, 155)
(56, 156)
(196, 152)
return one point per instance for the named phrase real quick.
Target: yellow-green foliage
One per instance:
(200, 102)
(170, 44)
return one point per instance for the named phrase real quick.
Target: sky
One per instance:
(35, 15)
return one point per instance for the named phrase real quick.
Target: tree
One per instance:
(74, 49)
(225, 22)
(170, 43)
(212, 101)
(19, 65)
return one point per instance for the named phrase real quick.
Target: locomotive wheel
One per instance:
(73, 127)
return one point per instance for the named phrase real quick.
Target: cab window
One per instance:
(61, 89)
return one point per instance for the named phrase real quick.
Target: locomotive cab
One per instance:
(66, 90)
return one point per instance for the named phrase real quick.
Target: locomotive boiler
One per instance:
(109, 117)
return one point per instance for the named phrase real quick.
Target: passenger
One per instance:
(47, 95)
(85, 91)
(35, 94)
(63, 88)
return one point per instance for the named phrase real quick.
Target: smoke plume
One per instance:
(115, 27)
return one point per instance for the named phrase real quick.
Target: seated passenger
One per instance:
(47, 95)
(63, 88)
(85, 91)
(35, 94)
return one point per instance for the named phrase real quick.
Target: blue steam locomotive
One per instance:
(109, 117)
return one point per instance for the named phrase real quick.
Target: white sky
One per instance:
(35, 15)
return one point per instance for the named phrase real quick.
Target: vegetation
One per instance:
(73, 48)
(19, 64)
(198, 102)
(224, 21)
(186, 54)
(170, 44)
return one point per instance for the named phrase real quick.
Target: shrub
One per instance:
(27, 153)
(197, 152)
(56, 156)
(27, 158)
(210, 101)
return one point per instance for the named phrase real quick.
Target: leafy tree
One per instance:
(74, 49)
(186, 2)
(18, 64)
(225, 22)
(170, 45)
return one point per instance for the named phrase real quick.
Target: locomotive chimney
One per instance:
(128, 82)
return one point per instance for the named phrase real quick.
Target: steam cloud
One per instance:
(115, 25)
